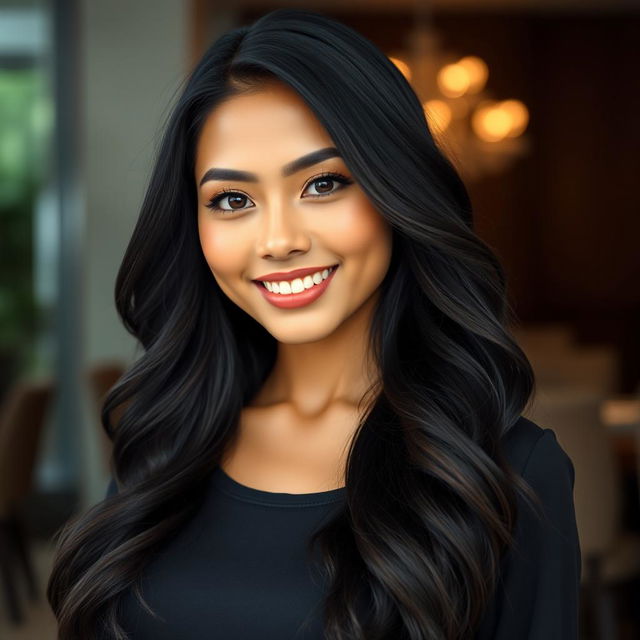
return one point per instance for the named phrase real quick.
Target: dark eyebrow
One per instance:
(305, 161)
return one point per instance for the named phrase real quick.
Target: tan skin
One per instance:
(294, 435)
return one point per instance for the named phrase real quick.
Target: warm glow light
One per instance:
(402, 66)
(490, 123)
(477, 70)
(519, 116)
(494, 121)
(454, 80)
(438, 113)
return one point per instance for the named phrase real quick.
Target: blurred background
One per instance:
(535, 101)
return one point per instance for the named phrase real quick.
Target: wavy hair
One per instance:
(431, 500)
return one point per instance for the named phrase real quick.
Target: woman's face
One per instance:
(261, 212)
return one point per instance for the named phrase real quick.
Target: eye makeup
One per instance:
(341, 179)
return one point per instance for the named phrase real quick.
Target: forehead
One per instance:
(271, 126)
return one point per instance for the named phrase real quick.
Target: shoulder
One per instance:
(535, 453)
(539, 582)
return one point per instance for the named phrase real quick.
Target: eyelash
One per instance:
(337, 177)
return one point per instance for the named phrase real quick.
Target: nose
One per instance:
(282, 234)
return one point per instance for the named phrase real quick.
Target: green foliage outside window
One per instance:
(25, 118)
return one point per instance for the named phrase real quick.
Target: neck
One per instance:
(311, 378)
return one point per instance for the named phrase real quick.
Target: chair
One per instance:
(22, 416)
(558, 360)
(610, 555)
(102, 377)
(593, 367)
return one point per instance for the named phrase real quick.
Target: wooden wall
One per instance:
(565, 220)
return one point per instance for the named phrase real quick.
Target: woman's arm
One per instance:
(538, 591)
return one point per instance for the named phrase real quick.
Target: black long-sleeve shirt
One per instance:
(238, 569)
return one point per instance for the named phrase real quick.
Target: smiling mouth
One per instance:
(301, 292)
(297, 285)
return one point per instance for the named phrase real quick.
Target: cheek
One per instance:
(361, 230)
(365, 239)
(220, 247)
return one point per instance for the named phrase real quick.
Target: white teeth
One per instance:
(299, 284)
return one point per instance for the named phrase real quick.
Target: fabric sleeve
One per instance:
(537, 597)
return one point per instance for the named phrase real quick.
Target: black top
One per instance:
(238, 569)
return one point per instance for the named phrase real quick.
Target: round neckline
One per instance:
(235, 489)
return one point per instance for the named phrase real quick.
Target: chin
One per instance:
(301, 334)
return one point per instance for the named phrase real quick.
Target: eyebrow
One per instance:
(303, 162)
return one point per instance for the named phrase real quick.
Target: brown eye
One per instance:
(324, 184)
(235, 201)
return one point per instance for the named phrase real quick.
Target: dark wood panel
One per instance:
(565, 220)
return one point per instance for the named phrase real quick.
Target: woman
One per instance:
(325, 428)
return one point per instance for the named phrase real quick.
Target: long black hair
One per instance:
(430, 498)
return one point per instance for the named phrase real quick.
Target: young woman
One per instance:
(324, 436)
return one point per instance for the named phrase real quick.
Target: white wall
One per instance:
(135, 57)
(135, 54)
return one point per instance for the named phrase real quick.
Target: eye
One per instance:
(324, 184)
(235, 200)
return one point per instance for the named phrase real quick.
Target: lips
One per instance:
(277, 276)
(295, 300)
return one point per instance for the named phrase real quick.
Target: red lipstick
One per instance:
(276, 276)
(294, 300)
